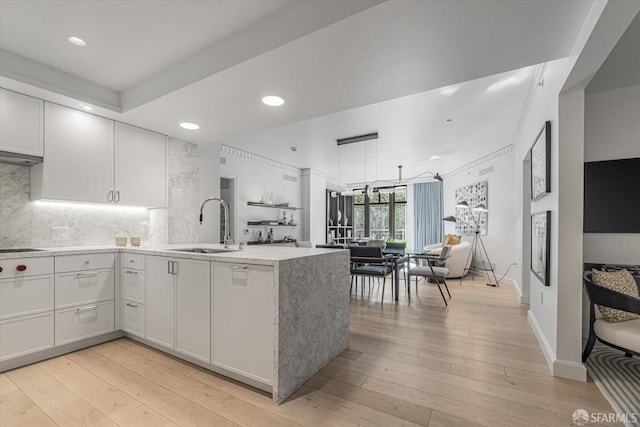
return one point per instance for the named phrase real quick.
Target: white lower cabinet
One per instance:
(160, 301)
(133, 290)
(84, 296)
(177, 305)
(78, 323)
(24, 335)
(133, 314)
(26, 306)
(242, 321)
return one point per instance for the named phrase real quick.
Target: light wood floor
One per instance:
(473, 363)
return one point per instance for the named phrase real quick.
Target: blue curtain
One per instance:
(427, 213)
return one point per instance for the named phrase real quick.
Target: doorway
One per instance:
(228, 194)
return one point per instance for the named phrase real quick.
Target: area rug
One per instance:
(618, 378)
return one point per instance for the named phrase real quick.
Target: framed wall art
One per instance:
(540, 246)
(474, 194)
(541, 163)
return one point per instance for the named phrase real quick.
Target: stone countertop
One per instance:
(262, 255)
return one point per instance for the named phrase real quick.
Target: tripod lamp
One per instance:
(477, 246)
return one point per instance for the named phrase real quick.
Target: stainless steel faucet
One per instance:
(227, 238)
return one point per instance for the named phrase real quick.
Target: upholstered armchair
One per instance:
(459, 260)
(622, 335)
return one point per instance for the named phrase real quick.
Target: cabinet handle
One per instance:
(132, 305)
(21, 267)
(175, 267)
(0, 269)
(78, 275)
(236, 267)
(110, 196)
(118, 196)
(169, 269)
(81, 309)
(131, 272)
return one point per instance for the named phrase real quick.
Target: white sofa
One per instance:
(459, 259)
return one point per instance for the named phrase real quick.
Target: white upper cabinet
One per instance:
(21, 128)
(140, 161)
(93, 159)
(78, 165)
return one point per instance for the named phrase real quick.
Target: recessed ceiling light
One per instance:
(272, 101)
(293, 148)
(87, 107)
(435, 157)
(77, 41)
(189, 126)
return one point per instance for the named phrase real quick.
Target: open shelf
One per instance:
(276, 206)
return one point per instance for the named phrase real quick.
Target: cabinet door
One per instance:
(79, 161)
(133, 317)
(140, 160)
(193, 308)
(21, 118)
(160, 301)
(243, 319)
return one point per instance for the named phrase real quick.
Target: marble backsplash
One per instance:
(24, 223)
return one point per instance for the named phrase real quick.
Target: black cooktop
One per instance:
(9, 251)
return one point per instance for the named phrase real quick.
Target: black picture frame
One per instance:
(541, 246)
(540, 154)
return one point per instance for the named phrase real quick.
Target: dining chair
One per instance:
(375, 242)
(369, 261)
(432, 270)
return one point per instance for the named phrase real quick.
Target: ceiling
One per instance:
(622, 67)
(344, 68)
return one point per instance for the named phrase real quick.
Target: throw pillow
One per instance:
(620, 281)
(450, 239)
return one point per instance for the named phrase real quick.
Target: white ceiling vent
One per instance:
(485, 171)
(290, 178)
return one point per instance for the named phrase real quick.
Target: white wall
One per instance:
(612, 131)
(314, 204)
(556, 312)
(500, 239)
(256, 177)
(543, 300)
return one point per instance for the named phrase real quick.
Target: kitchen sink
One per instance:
(203, 250)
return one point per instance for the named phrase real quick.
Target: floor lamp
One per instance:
(477, 243)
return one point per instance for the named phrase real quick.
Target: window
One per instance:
(381, 217)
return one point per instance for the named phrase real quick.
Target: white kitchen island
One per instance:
(270, 317)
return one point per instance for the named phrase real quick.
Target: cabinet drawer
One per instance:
(28, 295)
(84, 262)
(133, 314)
(133, 284)
(135, 261)
(34, 267)
(74, 324)
(84, 287)
(24, 335)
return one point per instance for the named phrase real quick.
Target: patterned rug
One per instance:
(618, 378)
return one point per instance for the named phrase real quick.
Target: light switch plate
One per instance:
(60, 233)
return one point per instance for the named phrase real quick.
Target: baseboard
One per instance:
(571, 370)
(547, 351)
(58, 351)
(524, 299)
